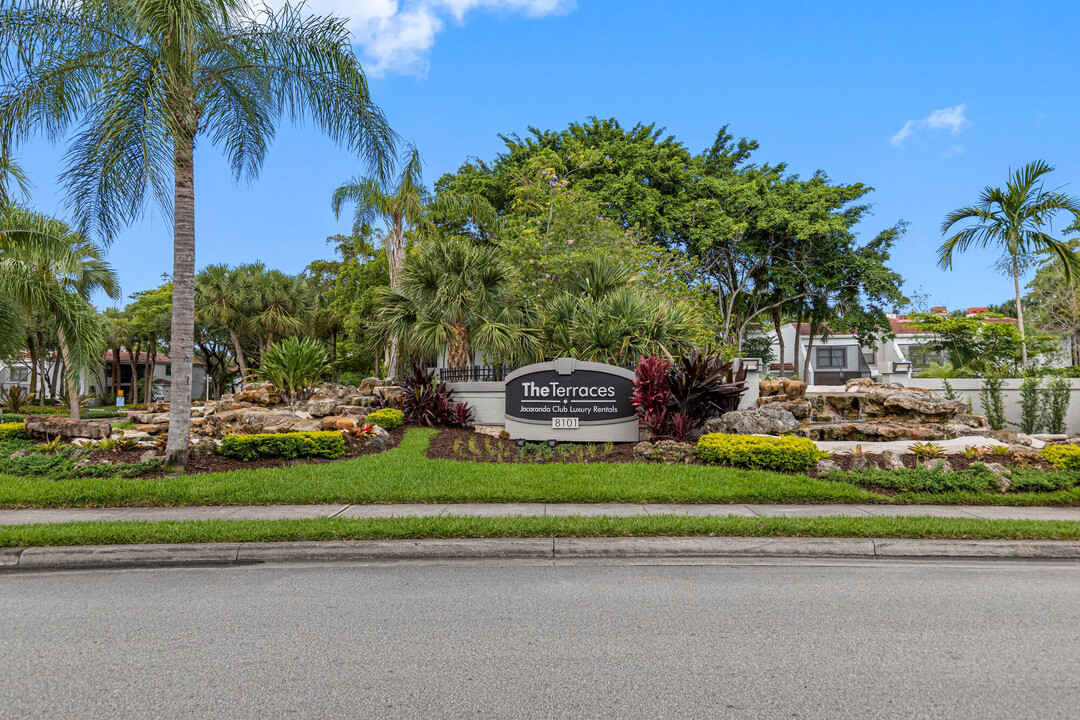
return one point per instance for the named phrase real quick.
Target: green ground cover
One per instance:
(138, 532)
(404, 474)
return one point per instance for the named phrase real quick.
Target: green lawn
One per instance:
(404, 474)
(126, 532)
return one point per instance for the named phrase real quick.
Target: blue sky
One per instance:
(927, 102)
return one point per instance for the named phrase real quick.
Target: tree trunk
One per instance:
(1020, 316)
(43, 375)
(240, 362)
(779, 338)
(798, 345)
(32, 348)
(116, 369)
(71, 379)
(150, 368)
(182, 343)
(806, 360)
(459, 350)
(396, 258)
(333, 357)
(133, 362)
(54, 383)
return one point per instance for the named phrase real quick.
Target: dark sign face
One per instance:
(591, 396)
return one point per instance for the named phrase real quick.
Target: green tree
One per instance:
(223, 297)
(44, 265)
(1013, 221)
(143, 81)
(151, 313)
(458, 296)
(980, 344)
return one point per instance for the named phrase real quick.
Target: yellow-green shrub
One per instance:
(1063, 457)
(329, 444)
(754, 451)
(387, 418)
(13, 431)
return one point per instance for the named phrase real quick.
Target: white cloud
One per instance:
(395, 37)
(951, 119)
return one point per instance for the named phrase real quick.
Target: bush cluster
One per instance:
(387, 418)
(13, 431)
(61, 464)
(789, 454)
(11, 417)
(99, 414)
(1063, 457)
(329, 444)
(921, 480)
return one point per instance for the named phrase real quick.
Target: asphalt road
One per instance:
(735, 639)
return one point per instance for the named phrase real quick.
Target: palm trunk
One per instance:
(459, 351)
(133, 362)
(43, 375)
(148, 375)
(798, 346)
(396, 258)
(182, 344)
(1020, 316)
(32, 348)
(779, 339)
(116, 369)
(71, 380)
(240, 361)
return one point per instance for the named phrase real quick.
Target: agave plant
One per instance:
(14, 397)
(295, 366)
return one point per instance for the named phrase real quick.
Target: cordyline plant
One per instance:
(674, 401)
(428, 402)
(143, 81)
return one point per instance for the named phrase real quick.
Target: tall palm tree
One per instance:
(457, 296)
(223, 297)
(45, 265)
(281, 303)
(143, 80)
(1013, 220)
(403, 205)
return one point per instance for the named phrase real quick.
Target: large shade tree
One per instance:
(143, 81)
(1014, 220)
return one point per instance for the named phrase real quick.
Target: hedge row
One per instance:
(330, 444)
(12, 431)
(387, 418)
(788, 454)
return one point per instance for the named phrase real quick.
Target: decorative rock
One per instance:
(152, 429)
(767, 420)
(79, 464)
(159, 406)
(857, 384)
(863, 461)
(1002, 480)
(938, 465)
(380, 441)
(769, 387)
(825, 465)
(668, 452)
(1051, 439)
(22, 452)
(891, 460)
(322, 406)
(148, 456)
(147, 418)
(799, 408)
(52, 426)
(794, 389)
(338, 423)
(368, 385)
(492, 430)
(258, 397)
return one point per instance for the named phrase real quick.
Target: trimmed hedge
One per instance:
(99, 414)
(11, 417)
(1063, 457)
(330, 444)
(13, 431)
(387, 418)
(789, 454)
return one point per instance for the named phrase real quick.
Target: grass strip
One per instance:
(405, 475)
(205, 531)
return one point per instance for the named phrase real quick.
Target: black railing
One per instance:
(476, 373)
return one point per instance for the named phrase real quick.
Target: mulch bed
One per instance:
(495, 450)
(220, 463)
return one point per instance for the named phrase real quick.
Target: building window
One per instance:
(831, 357)
(869, 357)
(19, 374)
(168, 370)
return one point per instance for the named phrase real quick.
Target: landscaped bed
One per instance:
(406, 474)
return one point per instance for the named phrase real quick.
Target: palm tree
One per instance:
(280, 303)
(45, 265)
(404, 205)
(143, 81)
(223, 297)
(1013, 220)
(457, 296)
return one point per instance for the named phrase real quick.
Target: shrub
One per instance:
(14, 397)
(1056, 401)
(992, 402)
(329, 444)
(99, 414)
(13, 431)
(1039, 481)
(674, 401)
(387, 418)
(1031, 417)
(1063, 457)
(428, 402)
(752, 451)
(61, 465)
(11, 417)
(295, 366)
(921, 479)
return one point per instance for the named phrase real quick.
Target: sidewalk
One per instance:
(288, 512)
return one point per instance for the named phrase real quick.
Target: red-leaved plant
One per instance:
(674, 401)
(651, 394)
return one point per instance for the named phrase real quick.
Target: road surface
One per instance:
(734, 639)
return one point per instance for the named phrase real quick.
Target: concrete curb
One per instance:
(553, 549)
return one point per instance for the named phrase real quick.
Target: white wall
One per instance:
(968, 390)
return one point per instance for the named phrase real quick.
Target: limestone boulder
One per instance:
(891, 460)
(863, 461)
(258, 397)
(49, 427)
(148, 418)
(766, 420)
(668, 452)
(381, 440)
(767, 388)
(152, 428)
(337, 423)
(825, 465)
(794, 389)
(321, 406)
(202, 447)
